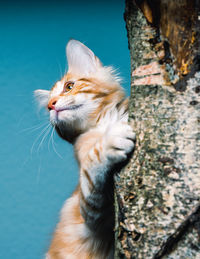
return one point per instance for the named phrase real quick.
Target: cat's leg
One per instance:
(98, 152)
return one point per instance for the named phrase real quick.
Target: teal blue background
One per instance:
(34, 179)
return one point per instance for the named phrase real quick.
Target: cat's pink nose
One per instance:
(52, 103)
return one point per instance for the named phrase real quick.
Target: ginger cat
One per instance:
(88, 108)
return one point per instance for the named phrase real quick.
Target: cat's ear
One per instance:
(42, 96)
(81, 60)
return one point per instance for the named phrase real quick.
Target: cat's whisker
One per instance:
(60, 69)
(36, 127)
(44, 137)
(53, 144)
(50, 139)
(41, 133)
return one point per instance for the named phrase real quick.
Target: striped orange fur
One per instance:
(88, 108)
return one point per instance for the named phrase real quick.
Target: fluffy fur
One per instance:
(88, 109)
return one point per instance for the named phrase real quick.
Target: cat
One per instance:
(88, 108)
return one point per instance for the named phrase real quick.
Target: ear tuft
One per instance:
(42, 96)
(81, 60)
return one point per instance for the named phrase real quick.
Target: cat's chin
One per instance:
(54, 117)
(57, 117)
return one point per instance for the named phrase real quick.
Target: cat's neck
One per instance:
(109, 114)
(116, 110)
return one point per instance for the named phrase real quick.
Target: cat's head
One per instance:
(76, 102)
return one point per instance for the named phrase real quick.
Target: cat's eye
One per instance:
(68, 86)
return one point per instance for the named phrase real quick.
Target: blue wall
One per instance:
(34, 179)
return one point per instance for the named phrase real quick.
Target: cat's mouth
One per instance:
(72, 107)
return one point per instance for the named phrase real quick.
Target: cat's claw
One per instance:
(119, 142)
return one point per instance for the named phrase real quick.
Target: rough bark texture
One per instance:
(157, 196)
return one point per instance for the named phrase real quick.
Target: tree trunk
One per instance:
(157, 195)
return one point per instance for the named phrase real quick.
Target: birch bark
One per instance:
(157, 195)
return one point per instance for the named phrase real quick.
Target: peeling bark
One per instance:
(157, 196)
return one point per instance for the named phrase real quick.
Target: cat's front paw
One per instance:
(119, 142)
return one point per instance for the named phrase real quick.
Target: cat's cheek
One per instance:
(62, 115)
